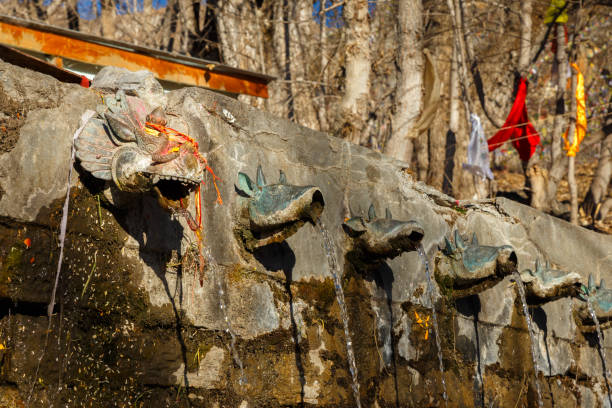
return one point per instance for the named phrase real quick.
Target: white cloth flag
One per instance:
(478, 150)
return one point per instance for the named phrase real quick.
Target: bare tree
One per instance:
(525, 49)
(410, 80)
(400, 75)
(571, 171)
(302, 50)
(354, 104)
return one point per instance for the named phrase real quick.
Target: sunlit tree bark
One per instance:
(354, 104)
(410, 80)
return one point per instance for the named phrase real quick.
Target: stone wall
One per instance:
(134, 327)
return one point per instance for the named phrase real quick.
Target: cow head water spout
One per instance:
(374, 239)
(465, 269)
(600, 299)
(546, 284)
(271, 213)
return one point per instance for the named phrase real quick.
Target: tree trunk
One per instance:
(238, 29)
(604, 209)
(188, 16)
(453, 125)
(410, 82)
(301, 44)
(571, 171)
(108, 19)
(600, 184)
(322, 96)
(525, 47)
(276, 55)
(421, 150)
(354, 104)
(72, 15)
(453, 121)
(558, 163)
(571, 181)
(546, 199)
(239, 34)
(469, 186)
(523, 67)
(437, 149)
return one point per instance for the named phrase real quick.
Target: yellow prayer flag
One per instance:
(581, 121)
(553, 10)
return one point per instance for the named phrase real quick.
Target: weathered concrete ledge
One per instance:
(133, 324)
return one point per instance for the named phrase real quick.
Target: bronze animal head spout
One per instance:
(374, 238)
(465, 269)
(274, 212)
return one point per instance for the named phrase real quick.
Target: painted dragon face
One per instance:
(273, 212)
(600, 299)
(546, 284)
(375, 239)
(466, 269)
(124, 145)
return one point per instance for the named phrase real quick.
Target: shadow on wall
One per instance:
(280, 257)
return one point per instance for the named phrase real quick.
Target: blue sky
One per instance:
(333, 17)
(90, 9)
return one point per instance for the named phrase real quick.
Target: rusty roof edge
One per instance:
(19, 58)
(182, 59)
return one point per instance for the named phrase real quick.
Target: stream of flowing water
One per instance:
(601, 343)
(328, 246)
(217, 276)
(434, 316)
(532, 340)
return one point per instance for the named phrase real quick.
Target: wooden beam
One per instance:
(24, 60)
(100, 54)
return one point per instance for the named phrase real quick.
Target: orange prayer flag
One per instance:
(573, 147)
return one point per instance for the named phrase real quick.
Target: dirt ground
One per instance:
(512, 182)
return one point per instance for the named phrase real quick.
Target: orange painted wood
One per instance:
(99, 54)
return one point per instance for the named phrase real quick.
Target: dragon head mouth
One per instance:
(469, 268)
(139, 154)
(379, 238)
(277, 211)
(133, 170)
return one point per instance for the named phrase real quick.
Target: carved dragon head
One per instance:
(374, 239)
(273, 212)
(546, 284)
(600, 299)
(469, 268)
(124, 145)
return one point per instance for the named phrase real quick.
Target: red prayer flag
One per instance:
(517, 127)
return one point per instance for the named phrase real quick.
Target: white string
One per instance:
(84, 119)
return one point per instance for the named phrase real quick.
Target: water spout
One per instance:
(328, 246)
(430, 291)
